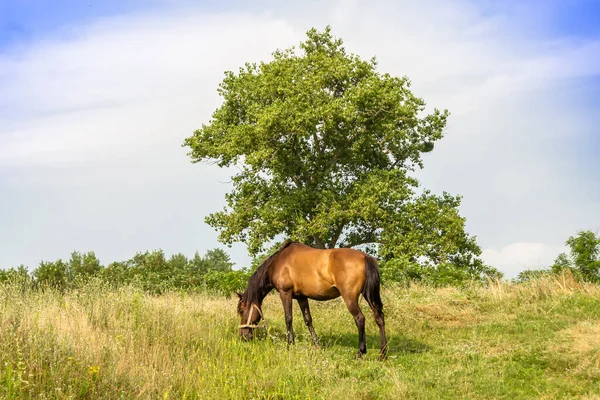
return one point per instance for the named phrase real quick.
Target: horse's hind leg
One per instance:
(359, 318)
(303, 303)
(379, 319)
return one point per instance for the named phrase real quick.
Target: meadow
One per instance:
(539, 339)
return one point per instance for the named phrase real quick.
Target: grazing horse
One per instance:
(301, 272)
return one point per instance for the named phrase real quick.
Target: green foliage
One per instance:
(227, 282)
(217, 260)
(116, 273)
(532, 274)
(84, 265)
(324, 144)
(153, 272)
(561, 263)
(55, 274)
(149, 271)
(583, 262)
(585, 251)
(430, 242)
(61, 275)
(18, 275)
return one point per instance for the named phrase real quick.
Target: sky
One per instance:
(96, 99)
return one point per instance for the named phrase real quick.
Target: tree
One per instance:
(217, 260)
(84, 265)
(324, 144)
(430, 241)
(583, 260)
(532, 274)
(585, 251)
(19, 274)
(55, 274)
(117, 273)
(178, 262)
(197, 265)
(561, 263)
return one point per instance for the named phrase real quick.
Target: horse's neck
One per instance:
(261, 290)
(264, 291)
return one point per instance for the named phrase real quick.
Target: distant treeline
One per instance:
(213, 272)
(154, 272)
(151, 271)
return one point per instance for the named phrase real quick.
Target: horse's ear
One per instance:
(239, 295)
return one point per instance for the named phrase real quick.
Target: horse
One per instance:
(301, 272)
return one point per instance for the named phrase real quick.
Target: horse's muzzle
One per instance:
(246, 334)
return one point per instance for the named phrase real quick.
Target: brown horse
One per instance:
(300, 272)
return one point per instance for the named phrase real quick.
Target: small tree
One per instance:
(585, 249)
(532, 274)
(561, 263)
(117, 273)
(55, 274)
(217, 260)
(82, 266)
(198, 265)
(17, 275)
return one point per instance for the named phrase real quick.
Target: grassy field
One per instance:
(538, 340)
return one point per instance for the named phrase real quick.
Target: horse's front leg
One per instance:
(286, 299)
(303, 303)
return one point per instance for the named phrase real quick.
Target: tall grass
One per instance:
(534, 340)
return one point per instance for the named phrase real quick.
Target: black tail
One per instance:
(371, 289)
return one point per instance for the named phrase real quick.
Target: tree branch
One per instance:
(359, 242)
(363, 239)
(317, 142)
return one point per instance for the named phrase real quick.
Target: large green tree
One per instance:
(324, 144)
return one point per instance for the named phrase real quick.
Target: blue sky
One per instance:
(96, 98)
(28, 20)
(25, 21)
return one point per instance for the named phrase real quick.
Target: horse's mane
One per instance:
(259, 284)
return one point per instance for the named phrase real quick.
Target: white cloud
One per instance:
(91, 126)
(125, 82)
(517, 257)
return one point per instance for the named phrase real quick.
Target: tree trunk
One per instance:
(318, 242)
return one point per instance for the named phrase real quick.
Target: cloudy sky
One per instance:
(97, 97)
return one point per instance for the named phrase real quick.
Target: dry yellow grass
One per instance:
(539, 339)
(582, 343)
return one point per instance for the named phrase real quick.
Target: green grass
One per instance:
(537, 340)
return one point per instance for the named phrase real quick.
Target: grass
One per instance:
(536, 340)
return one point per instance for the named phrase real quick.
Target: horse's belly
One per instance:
(318, 293)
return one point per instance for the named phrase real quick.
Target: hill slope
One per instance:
(540, 340)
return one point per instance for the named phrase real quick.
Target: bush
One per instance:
(403, 270)
(53, 274)
(532, 274)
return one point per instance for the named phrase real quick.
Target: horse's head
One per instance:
(250, 314)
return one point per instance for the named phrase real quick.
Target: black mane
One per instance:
(259, 284)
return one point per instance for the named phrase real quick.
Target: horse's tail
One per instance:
(372, 282)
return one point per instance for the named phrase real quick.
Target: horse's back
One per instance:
(320, 273)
